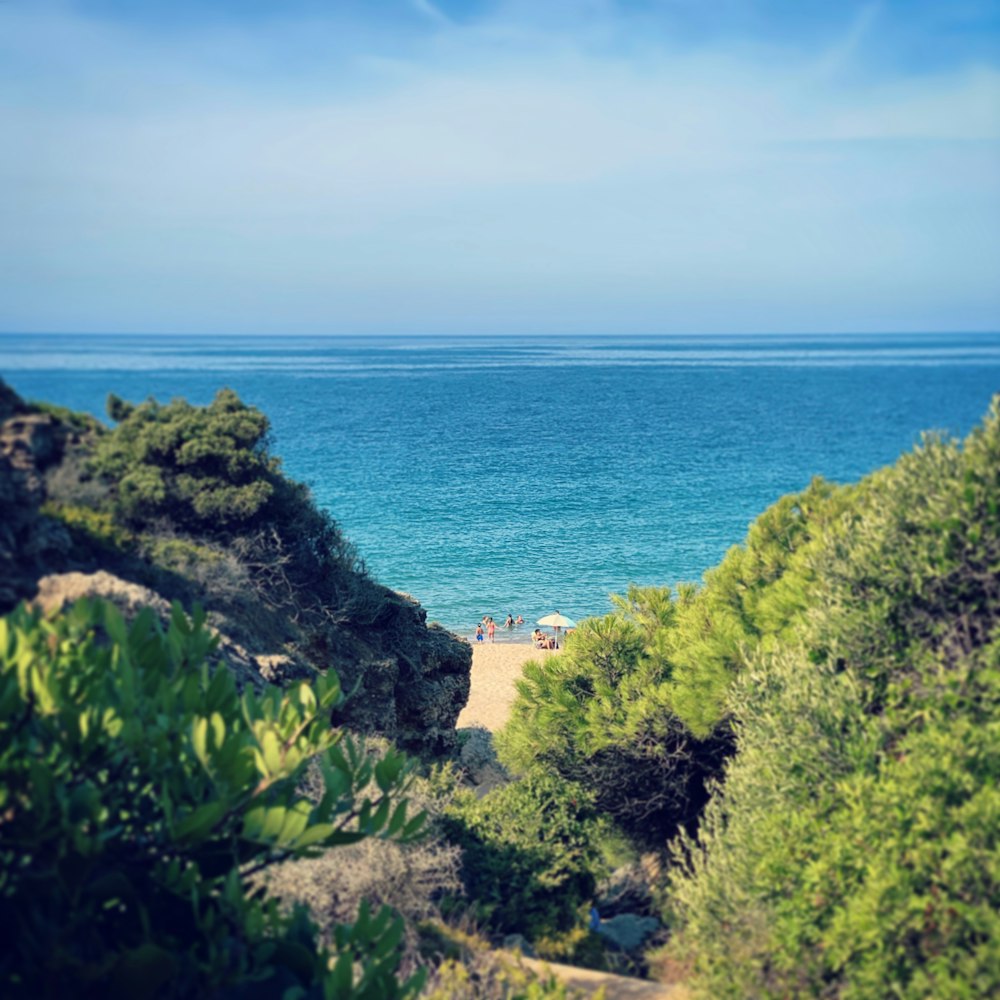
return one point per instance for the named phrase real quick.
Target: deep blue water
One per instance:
(528, 476)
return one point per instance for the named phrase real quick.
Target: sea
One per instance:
(528, 475)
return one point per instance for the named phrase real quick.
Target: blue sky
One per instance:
(480, 167)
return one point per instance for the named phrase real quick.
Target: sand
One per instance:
(495, 668)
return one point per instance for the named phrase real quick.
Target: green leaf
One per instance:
(390, 940)
(294, 823)
(271, 751)
(397, 821)
(342, 975)
(315, 834)
(199, 740)
(218, 729)
(200, 822)
(414, 825)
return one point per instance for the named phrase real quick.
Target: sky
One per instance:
(499, 167)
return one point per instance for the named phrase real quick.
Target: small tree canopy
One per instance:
(198, 466)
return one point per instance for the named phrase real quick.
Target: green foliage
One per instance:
(635, 708)
(854, 849)
(468, 967)
(530, 853)
(754, 599)
(599, 715)
(94, 532)
(496, 980)
(204, 472)
(181, 554)
(138, 789)
(78, 423)
(200, 467)
(578, 946)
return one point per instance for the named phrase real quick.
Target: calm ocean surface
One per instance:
(533, 475)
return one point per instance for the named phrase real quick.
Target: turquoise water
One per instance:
(527, 476)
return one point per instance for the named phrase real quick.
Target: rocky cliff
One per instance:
(408, 680)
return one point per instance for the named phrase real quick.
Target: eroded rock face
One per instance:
(411, 692)
(29, 443)
(412, 678)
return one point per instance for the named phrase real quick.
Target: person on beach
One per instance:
(479, 633)
(491, 630)
(541, 640)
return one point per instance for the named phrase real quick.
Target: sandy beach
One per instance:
(495, 668)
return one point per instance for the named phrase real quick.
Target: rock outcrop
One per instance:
(419, 673)
(29, 443)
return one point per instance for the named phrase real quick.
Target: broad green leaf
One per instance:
(200, 822)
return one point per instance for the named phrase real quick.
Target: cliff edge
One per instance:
(185, 503)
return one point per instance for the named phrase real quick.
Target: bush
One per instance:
(139, 790)
(200, 467)
(205, 472)
(635, 708)
(530, 853)
(854, 849)
(93, 532)
(600, 715)
(467, 967)
(579, 946)
(411, 878)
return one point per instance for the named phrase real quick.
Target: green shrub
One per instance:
(205, 472)
(577, 946)
(200, 467)
(73, 420)
(94, 532)
(599, 715)
(635, 708)
(531, 853)
(138, 790)
(468, 967)
(854, 848)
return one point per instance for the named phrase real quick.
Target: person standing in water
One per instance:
(491, 630)
(509, 623)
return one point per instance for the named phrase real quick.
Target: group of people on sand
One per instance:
(487, 628)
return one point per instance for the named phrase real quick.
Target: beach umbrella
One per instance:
(557, 620)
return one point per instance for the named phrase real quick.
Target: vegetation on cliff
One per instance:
(854, 847)
(832, 693)
(189, 502)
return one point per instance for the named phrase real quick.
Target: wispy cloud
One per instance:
(428, 10)
(489, 173)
